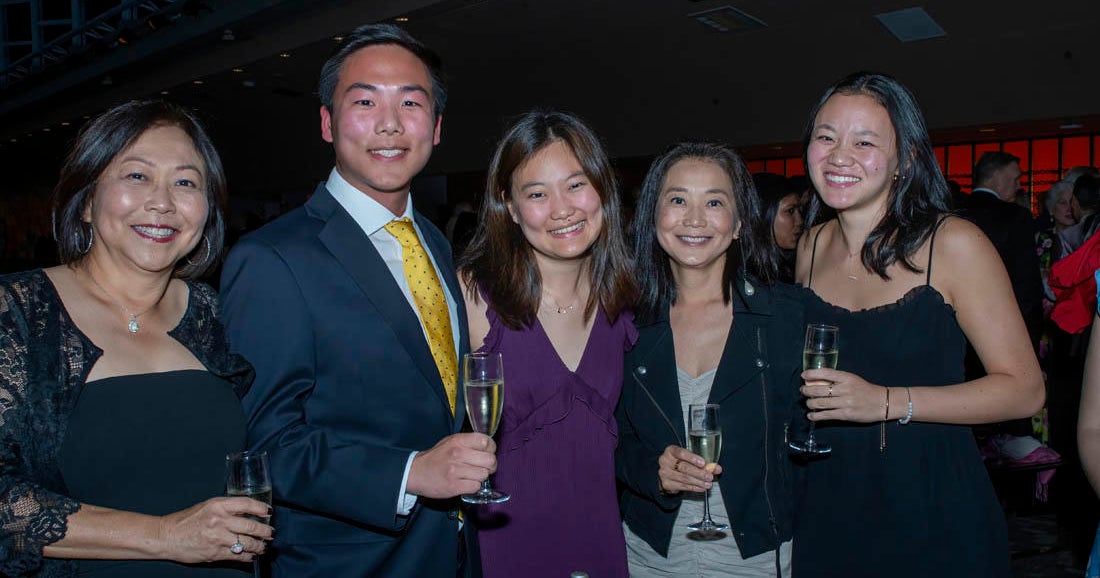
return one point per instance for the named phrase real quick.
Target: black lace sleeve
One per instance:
(204, 335)
(31, 517)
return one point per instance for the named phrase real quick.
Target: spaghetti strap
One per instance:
(931, 246)
(813, 255)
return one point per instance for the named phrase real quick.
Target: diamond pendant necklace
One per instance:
(132, 326)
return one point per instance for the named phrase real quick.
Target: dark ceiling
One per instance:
(642, 72)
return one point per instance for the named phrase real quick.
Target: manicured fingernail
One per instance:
(270, 510)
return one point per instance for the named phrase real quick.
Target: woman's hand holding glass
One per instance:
(837, 395)
(207, 531)
(679, 470)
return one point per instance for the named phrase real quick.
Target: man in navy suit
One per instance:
(366, 459)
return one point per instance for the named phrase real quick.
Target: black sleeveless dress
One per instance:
(924, 506)
(154, 444)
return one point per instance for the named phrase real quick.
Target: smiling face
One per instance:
(853, 153)
(149, 206)
(696, 217)
(787, 226)
(382, 125)
(1063, 209)
(555, 204)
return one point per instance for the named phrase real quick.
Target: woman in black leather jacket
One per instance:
(714, 328)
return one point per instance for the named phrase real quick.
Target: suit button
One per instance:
(641, 370)
(759, 362)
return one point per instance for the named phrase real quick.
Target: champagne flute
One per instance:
(705, 440)
(246, 474)
(483, 386)
(821, 350)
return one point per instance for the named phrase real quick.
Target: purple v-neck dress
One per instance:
(556, 456)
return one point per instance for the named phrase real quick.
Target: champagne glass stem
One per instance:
(810, 441)
(708, 523)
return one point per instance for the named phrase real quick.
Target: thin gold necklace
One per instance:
(555, 307)
(133, 326)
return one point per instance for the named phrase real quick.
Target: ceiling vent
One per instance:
(911, 24)
(728, 19)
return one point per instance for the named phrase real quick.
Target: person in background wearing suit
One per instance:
(351, 312)
(991, 206)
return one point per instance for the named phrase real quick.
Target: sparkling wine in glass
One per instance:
(483, 386)
(705, 440)
(246, 475)
(822, 349)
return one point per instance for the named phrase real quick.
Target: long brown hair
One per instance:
(499, 260)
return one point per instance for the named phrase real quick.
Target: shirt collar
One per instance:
(985, 190)
(368, 213)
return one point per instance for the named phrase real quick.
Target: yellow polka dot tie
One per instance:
(427, 292)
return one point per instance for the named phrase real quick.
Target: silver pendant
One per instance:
(133, 325)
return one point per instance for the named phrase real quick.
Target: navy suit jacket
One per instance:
(345, 389)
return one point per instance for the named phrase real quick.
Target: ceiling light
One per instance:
(1071, 126)
(911, 24)
(284, 55)
(64, 123)
(197, 82)
(402, 19)
(338, 38)
(238, 70)
(164, 92)
(46, 129)
(728, 18)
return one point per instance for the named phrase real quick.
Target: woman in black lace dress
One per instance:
(904, 491)
(118, 397)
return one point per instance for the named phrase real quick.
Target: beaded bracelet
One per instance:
(909, 412)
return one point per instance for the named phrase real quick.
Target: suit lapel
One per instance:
(441, 251)
(354, 251)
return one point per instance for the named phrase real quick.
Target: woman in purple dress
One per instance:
(548, 286)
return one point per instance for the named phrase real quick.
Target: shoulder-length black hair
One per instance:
(104, 138)
(499, 259)
(754, 252)
(919, 194)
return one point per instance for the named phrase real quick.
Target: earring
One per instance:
(205, 252)
(91, 240)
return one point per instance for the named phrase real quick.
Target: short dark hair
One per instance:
(500, 261)
(107, 136)
(989, 163)
(1087, 192)
(760, 258)
(919, 195)
(373, 34)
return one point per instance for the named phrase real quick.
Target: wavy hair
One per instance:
(917, 197)
(500, 261)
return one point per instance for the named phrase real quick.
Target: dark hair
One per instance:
(919, 194)
(500, 261)
(107, 136)
(772, 188)
(989, 163)
(373, 34)
(760, 258)
(1087, 191)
